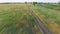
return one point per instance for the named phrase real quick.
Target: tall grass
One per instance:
(13, 19)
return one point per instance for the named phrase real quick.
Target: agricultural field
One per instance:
(51, 6)
(28, 19)
(12, 17)
(15, 19)
(50, 16)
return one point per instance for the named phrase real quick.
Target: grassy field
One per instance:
(50, 16)
(51, 6)
(15, 19)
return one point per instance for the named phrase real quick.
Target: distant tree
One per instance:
(58, 2)
(26, 2)
(34, 3)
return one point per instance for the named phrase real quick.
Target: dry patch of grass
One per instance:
(55, 28)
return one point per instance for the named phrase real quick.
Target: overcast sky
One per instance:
(29, 0)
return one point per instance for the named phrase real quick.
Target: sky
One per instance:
(1, 1)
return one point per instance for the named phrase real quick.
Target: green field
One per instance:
(51, 6)
(15, 18)
(50, 15)
(12, 18)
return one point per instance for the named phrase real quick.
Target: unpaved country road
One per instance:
(42, 27)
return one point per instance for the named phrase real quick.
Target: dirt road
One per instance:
(42, 27)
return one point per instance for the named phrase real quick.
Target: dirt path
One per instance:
(42, 27)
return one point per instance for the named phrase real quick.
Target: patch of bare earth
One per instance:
(55, 28)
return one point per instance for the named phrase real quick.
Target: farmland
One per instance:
(15, 19)
(12, 18)
(28, 19)
(51, 6)
(50, 16)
